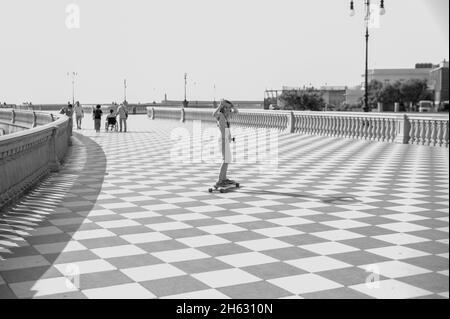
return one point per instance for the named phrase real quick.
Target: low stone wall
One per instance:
(29, 154)
(419, 129)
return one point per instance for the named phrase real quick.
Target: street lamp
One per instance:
(73, 74)
(185, 102)
(382, 11)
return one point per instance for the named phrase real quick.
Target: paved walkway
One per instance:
(338, 218)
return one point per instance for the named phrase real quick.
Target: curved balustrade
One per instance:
(380, 127)
(28, 155)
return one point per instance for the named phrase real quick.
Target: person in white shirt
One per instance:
(79, 114)
(123, 115)
(222, 114)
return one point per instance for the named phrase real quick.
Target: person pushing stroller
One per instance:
(223, 114)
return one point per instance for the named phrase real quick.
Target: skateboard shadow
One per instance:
(335, 200)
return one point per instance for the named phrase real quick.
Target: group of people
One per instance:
(111, 120)
(97, 113)
(222, 114)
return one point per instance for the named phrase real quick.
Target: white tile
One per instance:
(337, 235)
(390, 289)
(54, 248)
(227, 277)
(397, 252)
(139, 215)
(318, 263)
(205, 240)
(118, 251)
(395, 269)
(118, 223)
(299, 212)
(221, 229)
(290, 221)
(188, 216)
(246, 259)
(302, 284)
(205, 209)
(159, 271)
(201, 294)
(42, 287)
(118, 205)
(168, 226)
(251, 210)
(278, 231)
(69, 221)
(100, 212)
(310, 204)
(234, 219)
(329, 248)
(160, 207)
(84, 267)
(405, 217)
(403, 227)
(49, 230)
(176, 255)
(23, 262)
(407, 209)
(345, 224)
(263, 203)
(401, 239)
(90, 234)
(351, 214)
(126, 291)
(263, 244)
(145, 237)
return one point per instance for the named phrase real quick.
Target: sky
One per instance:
(232, 49)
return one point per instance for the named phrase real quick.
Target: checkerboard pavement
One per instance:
(338, 218)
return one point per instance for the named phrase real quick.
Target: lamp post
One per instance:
(73, 75)
(185, 102)
(125, 90)
(382, 11)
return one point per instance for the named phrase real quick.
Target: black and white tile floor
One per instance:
(337, 218)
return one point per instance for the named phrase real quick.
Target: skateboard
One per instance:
(223, 189)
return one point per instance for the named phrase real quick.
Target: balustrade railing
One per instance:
(380, 127)
(29, 154)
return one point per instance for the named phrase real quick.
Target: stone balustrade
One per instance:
(28, 155)
(382, 127)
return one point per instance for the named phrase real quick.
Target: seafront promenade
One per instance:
(332, 217)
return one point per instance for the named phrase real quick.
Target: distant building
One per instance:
(439, 82)
(353, 95)
(333, 95)
(385, 76)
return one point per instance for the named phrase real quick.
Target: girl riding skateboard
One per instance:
(223, 114)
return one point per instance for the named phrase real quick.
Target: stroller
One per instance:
(111, 122)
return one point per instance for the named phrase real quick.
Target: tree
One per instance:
(390, 94)
(302, 100)
(414, 90)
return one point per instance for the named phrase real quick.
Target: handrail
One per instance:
(28, 155)
(419, 129)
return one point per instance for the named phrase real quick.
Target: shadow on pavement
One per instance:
(336, 200)
(35, 231)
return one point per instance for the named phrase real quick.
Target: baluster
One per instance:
(382, 129)
(378, 129)
(422, 132)
(433, 136)
(439, 133)
(445, 135)
(412, 130)
(428, 128)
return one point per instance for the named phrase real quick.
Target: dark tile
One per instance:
(173, 285)
(255, 290)
(273, 270)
